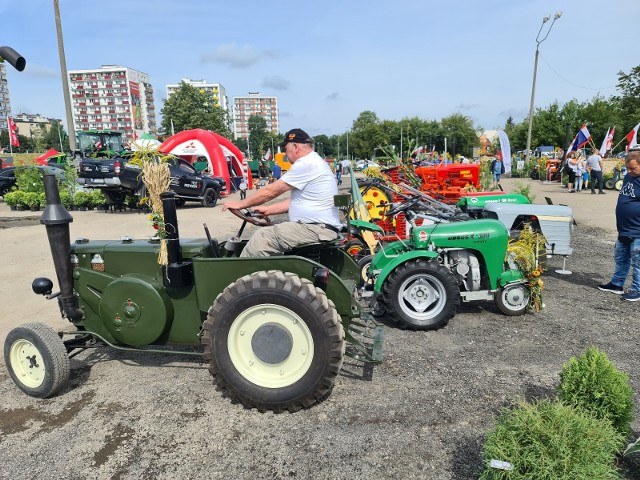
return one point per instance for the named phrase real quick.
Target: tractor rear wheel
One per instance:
(37, 359)
(513, 299)
(274, 342)
(421, 295)
(609, 184)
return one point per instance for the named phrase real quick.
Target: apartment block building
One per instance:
(5, 103)
(218, 92)
(29, 124)
(112, 97)
(254, 104)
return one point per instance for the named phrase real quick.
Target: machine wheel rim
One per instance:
(27, 363)
(249, 324)
(422, 296)
(515, 297)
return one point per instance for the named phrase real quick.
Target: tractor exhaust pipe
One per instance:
(177, 272)
(56, 219)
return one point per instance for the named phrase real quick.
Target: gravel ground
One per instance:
(420, 414)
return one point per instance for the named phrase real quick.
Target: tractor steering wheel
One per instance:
(251, 216)
(402, 207)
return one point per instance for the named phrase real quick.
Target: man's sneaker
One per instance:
(632, 296)
(610, 287)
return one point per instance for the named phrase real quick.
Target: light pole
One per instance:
(65, 80)
(535, 72)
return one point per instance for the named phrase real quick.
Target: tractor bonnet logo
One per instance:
(423, 235)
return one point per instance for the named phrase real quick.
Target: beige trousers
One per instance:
(283, 237)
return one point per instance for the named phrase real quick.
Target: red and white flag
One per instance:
(13, 136)
(608, 140)
(632, 137)
(268, 156)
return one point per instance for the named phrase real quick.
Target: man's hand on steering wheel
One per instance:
(251, 216)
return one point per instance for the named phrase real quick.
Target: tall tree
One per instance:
(367, 135)
(629, 98)
(460, 133)
(189, 108)
(258, 136)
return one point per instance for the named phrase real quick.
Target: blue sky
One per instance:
(328, 61)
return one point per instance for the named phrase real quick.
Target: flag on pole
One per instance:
(632, 137)
(583, 137)
(13, 136)
(268, 156)
(608, 140)
(572, 146)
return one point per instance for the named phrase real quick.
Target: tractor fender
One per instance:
(399, 260)
(367, 226)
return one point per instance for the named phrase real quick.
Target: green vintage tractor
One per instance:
(273, 330)
(420, 281)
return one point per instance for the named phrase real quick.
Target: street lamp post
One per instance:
(535, 72)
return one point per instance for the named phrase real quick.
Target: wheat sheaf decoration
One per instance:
(156, 178)
(527, 252)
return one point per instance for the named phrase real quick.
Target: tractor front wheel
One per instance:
(421, 295)
(513, 299)
(37, 359)
(274, 342)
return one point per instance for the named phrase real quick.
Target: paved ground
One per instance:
(421, 414)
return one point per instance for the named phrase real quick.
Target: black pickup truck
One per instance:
(117, 178)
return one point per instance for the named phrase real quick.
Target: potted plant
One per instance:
(32, 200)
(82, 199)
(97, 199)
(21, 200)
(11, 199)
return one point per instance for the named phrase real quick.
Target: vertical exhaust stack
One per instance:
(56, 219)
(177, 273)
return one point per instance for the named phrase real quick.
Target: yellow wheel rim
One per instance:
(373, 198)
(270, 345)
(27, 364)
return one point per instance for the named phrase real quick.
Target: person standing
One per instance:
(277, 171)
(627, 249)
(313, 217)
(497, 169)
(581, 168)
(346, 165)
(595, 167)
(572, 167)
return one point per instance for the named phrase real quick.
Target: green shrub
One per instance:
(97, 197)
(29, 179)
(32, 199)
(65, 198)
(593, 383)
(12, 198)
(551, 441)
(82, 199)
(525, 190)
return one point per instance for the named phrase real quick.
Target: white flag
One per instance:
(603, 148)
(505, 147)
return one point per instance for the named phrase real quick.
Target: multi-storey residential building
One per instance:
(28, 124)
(112, 97)
(218, 91)
(5, 103)
(254, 104)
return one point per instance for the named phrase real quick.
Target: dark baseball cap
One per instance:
(296, 135)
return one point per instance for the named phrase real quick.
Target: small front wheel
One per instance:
(37, 359)
(421, 295)
(618, 185)
(513, 299)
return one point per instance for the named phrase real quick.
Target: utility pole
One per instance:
(65, 79)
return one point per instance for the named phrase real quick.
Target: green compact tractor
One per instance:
(273, 330)
(421, 280)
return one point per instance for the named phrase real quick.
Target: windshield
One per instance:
(100, 141)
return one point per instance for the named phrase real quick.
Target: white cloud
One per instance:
(276, 82)
(235, 56)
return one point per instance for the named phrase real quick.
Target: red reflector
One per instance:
(116, 167)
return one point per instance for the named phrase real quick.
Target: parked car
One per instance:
(362, 164)
(8, 176)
